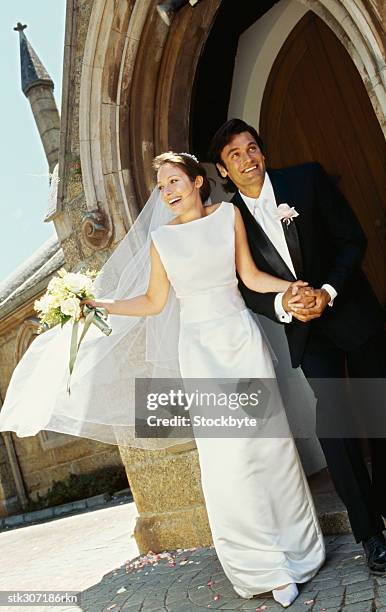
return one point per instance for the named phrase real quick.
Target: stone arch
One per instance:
(135, 95)
(122, 117)
(107, 39)
(27, 332)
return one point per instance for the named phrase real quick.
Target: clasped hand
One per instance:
(304, 302)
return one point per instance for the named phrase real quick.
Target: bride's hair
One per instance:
(189, 165)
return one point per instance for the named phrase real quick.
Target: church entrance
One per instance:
(286, 72)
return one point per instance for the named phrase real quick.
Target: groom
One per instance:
(342, 330)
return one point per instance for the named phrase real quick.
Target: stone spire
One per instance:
(38, 87)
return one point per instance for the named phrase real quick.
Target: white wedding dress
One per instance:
(260, 509)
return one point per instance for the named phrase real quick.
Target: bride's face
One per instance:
(178, 191)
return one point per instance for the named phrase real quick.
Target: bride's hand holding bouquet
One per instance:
(70, 298)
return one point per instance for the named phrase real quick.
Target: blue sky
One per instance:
(23, 166)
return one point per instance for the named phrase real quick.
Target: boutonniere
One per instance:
(286, 213)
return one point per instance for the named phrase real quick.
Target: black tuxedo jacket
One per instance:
(327, 245)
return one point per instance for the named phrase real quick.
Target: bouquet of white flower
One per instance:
(62, 303)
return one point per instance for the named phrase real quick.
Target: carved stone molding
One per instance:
(130, 107)
(28, 330)
(96, 229)
(106, 180)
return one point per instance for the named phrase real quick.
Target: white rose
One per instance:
(71, 307)
(77, 282)
(55, 285)
(44, 304)
(55, 300)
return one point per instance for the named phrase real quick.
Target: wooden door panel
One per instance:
(316, 108)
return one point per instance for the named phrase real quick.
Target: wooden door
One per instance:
(316, 108)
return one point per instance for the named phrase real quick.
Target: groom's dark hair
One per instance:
(223, 137)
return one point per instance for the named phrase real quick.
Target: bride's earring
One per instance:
(286, 596)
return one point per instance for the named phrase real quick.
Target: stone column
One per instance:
(166, 486)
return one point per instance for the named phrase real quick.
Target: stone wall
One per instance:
(46, 457)
(41, 468)
(9, 502)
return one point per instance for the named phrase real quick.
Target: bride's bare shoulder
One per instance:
(212, 207)
(174, 221)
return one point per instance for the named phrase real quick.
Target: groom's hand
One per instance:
(298, 293)
(322, 299)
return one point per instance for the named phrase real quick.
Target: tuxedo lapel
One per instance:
(283, 194)
(292, 238)
(259, 240)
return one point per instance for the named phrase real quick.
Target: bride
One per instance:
(260, 509)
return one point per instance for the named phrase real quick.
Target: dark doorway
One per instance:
(213, 82)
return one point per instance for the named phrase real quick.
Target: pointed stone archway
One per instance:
(134, 100)
(136, 89)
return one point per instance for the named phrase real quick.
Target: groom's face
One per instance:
(243, 162)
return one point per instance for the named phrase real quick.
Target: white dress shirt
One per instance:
(264, 209)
